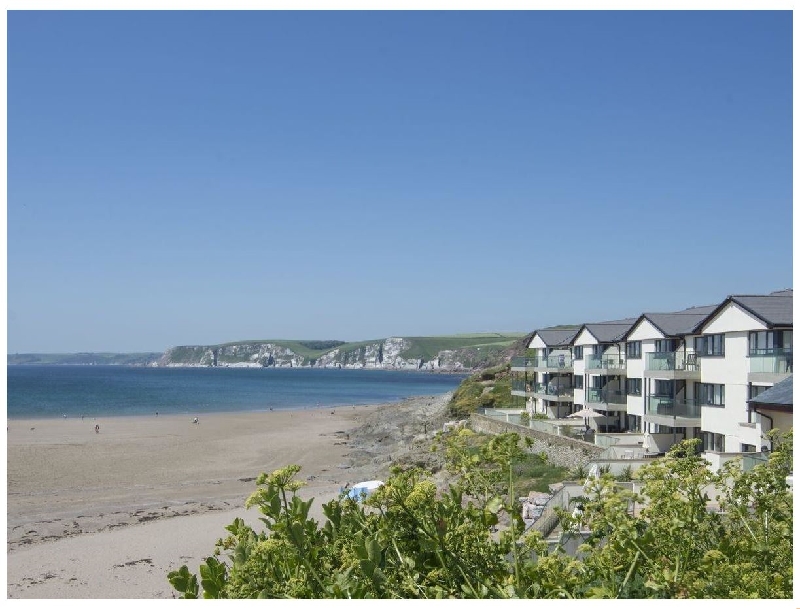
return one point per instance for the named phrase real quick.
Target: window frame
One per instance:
(704, 346)
(636, 352)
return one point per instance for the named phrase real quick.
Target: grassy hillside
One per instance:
(83, 359)
(472, 351)
(428, 347)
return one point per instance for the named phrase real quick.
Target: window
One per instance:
(578, 382)
(757, 390)
(598, 350)
(664, 388)
(633, 349)
(711, 394)
(713, 441)
(633, 386)
(713, 344)
(762, 343)
(748, 448)
(578, 353)
(667, 345)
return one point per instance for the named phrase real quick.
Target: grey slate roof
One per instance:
(779, 394)
(775, 309)
(677, 323)
(610, 331)
(680, 322)
(553, 337)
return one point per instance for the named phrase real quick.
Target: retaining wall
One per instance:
(560, 450)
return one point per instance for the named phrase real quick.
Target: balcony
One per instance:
(521, 364)
(522, 387)
(673, 412)
(607, 399)
(769, 365)
(555, 393)
(553, 363)
(606, 364)
(682, 364)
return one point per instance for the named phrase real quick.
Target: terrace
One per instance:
(769, 365)
(682, 364)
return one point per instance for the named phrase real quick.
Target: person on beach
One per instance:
(97, 429)
(195, 421)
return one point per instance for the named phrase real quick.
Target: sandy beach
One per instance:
(109, 514)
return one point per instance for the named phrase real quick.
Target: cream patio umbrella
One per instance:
(586, 414)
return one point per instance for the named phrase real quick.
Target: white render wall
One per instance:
(731, 370)
(587, 341)
(647, 333)
(733, 319)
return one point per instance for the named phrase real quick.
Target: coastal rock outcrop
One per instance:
(388, 354)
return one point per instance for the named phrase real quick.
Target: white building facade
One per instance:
(688, 373)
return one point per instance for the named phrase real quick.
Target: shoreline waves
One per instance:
(109, 514)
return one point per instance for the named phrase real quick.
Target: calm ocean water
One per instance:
(52, 391)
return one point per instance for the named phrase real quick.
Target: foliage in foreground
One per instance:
(409, 541)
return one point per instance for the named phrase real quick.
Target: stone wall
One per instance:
(565, 452)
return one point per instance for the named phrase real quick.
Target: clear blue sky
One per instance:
(202, 177)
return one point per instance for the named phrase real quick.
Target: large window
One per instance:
(713, 441)
(633, 386)
(711, 394)
(578, 379)
(633, 349)
(577, 352)
(764, 342)
(712, 344)
(666, 345)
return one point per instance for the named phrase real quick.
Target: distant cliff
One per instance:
(450, 353)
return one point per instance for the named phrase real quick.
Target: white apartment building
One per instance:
(546, 379)
(600, 372)
(689, 373)
(745, 347)
(662, 368)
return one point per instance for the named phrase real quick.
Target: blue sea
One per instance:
(52, 391)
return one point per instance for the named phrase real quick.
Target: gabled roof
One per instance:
(773, 309)
(555, 337)
(608, 331)
(778, 395)
(676, 323)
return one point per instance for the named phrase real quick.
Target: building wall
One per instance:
(731, 371)
(647, 333)
(732, 319)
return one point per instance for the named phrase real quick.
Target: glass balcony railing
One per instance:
(523, 362)
(775, 361)
(521, 385)
(671, 407)
(610, 362)
(606, 396)
(554, 390)
(750, 460)
(554, 361)
(673, 360)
